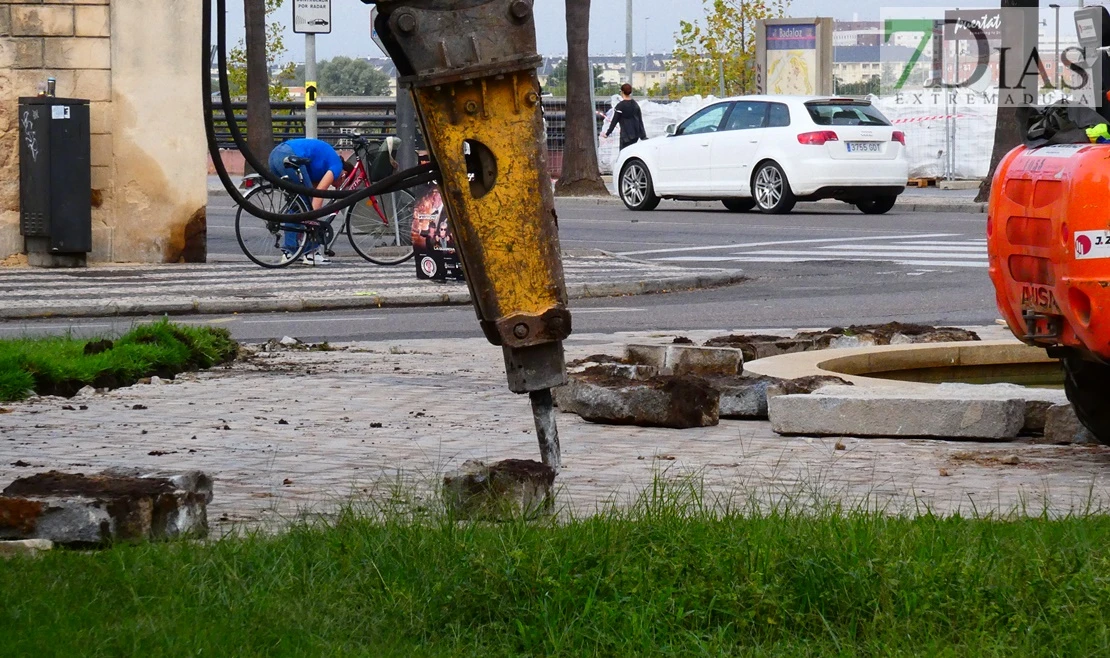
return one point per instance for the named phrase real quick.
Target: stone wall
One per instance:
(138, 63)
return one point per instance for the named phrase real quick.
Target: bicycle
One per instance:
(267, 242)
(379, 229)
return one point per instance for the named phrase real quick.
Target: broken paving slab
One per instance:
(78, 509)
(664, 401)
(510, 488)
(687, 359)
(1062, 427)
(862, 412)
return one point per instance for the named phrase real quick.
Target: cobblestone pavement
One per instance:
(227, 288)
(296, 431)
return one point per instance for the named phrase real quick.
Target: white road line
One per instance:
(804, 259)
(820, 255)
(921, 249)
(940, 242)
(749, 245)
(597, 311)
(38, 327)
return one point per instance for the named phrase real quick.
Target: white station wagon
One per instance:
(770, 152)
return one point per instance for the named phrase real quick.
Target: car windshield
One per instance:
(845, 114)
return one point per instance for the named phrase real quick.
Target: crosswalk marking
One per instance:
(910, 250)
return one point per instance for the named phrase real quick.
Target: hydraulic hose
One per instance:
(400, 180)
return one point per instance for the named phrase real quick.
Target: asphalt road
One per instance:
(806, 269)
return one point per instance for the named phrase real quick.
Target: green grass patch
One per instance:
(63, 365)
(658, 579)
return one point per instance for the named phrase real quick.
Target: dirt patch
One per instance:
(55, 483)
(15, 260)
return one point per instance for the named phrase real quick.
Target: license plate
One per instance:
(865, 147)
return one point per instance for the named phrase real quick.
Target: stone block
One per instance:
(676, 402)
(22, 53)
(1062, 427)
(743, 398)
(76, 509)
(77, 53)
(850, 411)
(91, 21)
(101, 150)
(100, 118)
(24, 548)
(508, 489)
(5, 21)
(626, 371)
(760, 346)
(691, 360)
(648, 355)
(91, 84)
(1037, 400)
(804, 385)
(41, 21)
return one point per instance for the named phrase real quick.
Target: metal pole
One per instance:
(310, 75)
(721, 65)
(406, 128)
(628, 40)
(646, 18)
(1056, 62)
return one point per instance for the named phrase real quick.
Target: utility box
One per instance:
(55, 187)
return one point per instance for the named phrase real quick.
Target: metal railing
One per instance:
(375, 119)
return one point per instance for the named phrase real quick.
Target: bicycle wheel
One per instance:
(263, 241)
(383, 238)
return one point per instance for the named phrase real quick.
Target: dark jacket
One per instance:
(627, 115)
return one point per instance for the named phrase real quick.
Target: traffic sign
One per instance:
(310, 93)
(312, 16)
(374, 30)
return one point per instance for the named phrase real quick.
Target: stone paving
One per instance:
(244, 287)
(297, 431)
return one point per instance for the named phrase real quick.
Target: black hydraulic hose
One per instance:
(400, 180)
(233, 125)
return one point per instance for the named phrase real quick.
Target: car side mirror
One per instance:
(670, 128)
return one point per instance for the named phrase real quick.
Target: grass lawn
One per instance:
(658, 579)
(63, 365)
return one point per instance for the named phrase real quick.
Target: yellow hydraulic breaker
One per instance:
(470, 66)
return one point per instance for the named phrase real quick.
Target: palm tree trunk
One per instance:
(260, 126)
(580, 175)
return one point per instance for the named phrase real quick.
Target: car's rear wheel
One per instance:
(636, 189)
(739, 205)
(877, 206)
(772, 191)
(1087, 385)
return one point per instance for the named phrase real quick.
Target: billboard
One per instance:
(794, 56)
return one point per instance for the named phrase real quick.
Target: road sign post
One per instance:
(311, 17)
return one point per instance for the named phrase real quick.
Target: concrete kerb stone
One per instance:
(904, 205)
(870, 413)
(266, 305)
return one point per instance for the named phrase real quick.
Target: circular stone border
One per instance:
(855, 364)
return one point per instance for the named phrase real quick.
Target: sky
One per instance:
(654, 23)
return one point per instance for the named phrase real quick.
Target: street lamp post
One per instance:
(1056, 62)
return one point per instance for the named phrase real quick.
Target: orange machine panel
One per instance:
(1048, 235)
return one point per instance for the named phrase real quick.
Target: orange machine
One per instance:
(1048, 235)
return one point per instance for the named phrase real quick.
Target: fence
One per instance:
(376, 119)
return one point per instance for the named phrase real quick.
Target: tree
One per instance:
(260, 124)
(580, 175)
(343, 76)
(728, 38)
(557, 82)
(273, 50)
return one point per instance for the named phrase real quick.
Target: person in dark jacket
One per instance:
(627, 115)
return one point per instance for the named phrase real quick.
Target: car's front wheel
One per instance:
(738, 204)
(772, 191)
(635, 186)
(877, 206)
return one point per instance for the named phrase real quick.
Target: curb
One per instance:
(225, 306)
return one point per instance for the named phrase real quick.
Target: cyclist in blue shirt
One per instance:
(324, 169)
